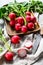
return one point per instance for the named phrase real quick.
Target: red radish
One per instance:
(22, 53)
(20, 20)
(28, 13)
(12, 15)
(28, 44)
(15, 39)
(24, 29)
(30, 26)
(28, 18)
(9, 56)
(17, 27)
(12, 23)
(33, 19)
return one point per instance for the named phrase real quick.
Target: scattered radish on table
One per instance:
(9, 56)
(28, 44)
(15, 39)
(22, 53)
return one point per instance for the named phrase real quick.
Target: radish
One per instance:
(30, 26)
(22, 53)
(12, 15)
(33, 19)
(15, 39)
(12, 23)
(9, 56)
(24, 29)
(28, 18)
(28, 44)
(17, 27)
(20, 20)
(28, 13)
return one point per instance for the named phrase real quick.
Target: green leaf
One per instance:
(0, 31)
(1, 14)
(1, 49)
(21, 8)
(2, 38)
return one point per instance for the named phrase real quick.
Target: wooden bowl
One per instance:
(13, 32)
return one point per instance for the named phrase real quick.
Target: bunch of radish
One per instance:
(21, 23)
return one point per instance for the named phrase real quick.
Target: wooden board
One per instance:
(13, 32)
